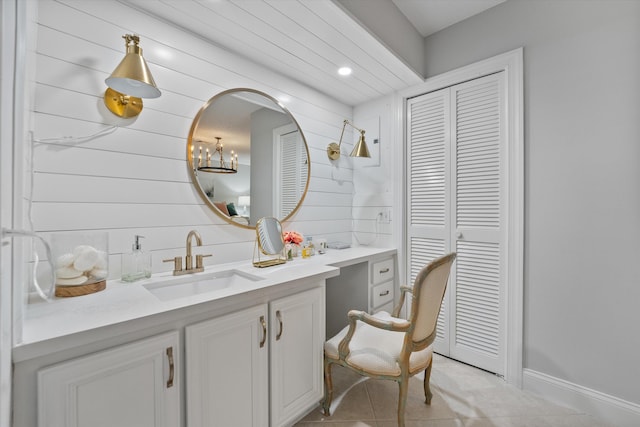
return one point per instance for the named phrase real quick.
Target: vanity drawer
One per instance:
(381, 294)
(388, 307)
(382, 271)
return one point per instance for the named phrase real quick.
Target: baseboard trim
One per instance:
(610, 409)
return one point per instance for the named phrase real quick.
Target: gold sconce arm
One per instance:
(360, 150)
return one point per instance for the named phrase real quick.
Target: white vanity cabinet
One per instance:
(105, 359)
(382, 285)
(258, 364)
(227, 370)
(297, 334)
(130, 385)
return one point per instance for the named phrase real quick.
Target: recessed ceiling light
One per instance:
(344, 71)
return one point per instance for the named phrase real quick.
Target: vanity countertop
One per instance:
(122, 302)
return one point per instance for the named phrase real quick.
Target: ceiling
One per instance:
(430, 16)
(309, 40)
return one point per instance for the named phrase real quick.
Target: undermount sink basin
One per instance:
(188, 285)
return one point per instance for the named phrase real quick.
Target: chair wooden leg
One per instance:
(403, 384)
(328, 388)
(427, 388)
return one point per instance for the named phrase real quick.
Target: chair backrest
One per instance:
(428, 291)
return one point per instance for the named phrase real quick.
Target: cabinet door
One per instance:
(134, 385)
(227, 370)
(297, 335)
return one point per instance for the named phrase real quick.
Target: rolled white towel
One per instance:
(65, 260)
(72, 282)
(67, 273)
(102, 262)
(86, 257)
(98, 273)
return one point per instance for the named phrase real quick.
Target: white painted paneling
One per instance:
(94, 189)
(134, 179)
(82, 161)
(54, 130)
(305, 40)
(372, 178)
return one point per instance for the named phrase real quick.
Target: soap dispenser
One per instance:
(137, 264)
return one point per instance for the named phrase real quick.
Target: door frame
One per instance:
(511, 63)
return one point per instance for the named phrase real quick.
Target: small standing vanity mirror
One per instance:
(269, 242)
(248, 158)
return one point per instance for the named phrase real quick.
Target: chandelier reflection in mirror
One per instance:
(216, 164)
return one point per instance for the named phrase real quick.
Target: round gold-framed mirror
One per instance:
(248, 157)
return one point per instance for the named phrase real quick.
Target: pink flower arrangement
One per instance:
(292, 237)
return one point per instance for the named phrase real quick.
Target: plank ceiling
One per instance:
(307, 40)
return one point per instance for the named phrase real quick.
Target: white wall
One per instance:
(135, 179)
(263, 123)
(373, 179)
(8, 14)
(582, 146)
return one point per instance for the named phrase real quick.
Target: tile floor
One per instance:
(463, 396)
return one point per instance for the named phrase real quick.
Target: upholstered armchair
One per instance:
(384, 346)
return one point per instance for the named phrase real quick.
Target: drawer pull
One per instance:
(264, 331)
(386, 270)
(171, 367)
(279, 317)
(382, 294)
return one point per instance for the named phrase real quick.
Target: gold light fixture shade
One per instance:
(130, 81)
(360, 150)
(132, 76)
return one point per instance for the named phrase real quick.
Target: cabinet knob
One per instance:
(384, 270)
(385, 293)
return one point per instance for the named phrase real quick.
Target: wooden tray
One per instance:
(76, 291)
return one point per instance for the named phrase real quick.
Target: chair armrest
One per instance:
(354, 315)
(397, 308)
(399, 326)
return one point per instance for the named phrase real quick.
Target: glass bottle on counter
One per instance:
(137, 264)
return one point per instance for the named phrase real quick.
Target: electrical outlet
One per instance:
(385, 216)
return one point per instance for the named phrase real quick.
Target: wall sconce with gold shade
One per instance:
(129, 82)
(360, 150)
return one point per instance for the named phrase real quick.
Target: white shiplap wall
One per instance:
(134, 180)
(373, 179)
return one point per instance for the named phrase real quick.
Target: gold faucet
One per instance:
(188, 259)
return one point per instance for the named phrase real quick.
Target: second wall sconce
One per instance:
(129, 82)
(360, 150)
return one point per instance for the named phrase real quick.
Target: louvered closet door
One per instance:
(471, 323)
(429, 195)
